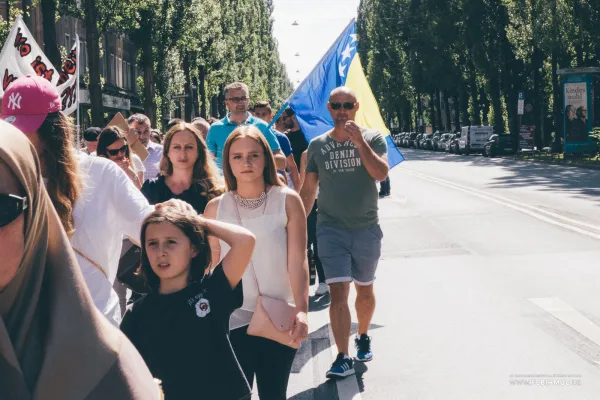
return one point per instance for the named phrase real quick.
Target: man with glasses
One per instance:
(139, 124)
(345, 163)
(90, 136)
(237, 96)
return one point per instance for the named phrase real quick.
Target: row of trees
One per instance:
(181, 44)
(474, 57)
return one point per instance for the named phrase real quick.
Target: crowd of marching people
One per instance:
(180, 270)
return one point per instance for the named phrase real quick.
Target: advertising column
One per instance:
(578, 97)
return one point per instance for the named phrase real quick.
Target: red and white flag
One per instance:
(21, 56)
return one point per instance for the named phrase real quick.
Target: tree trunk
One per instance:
(476, 120)
(438, 108)
(538, 95)
(448, 125)
(202, 90)
(221, 102)
(93, 52)
(49, 25)
(456, 112)
(555, 87)
(214, 106)
(187, 86)
(494, 86)
(147, 58)
(419, 116)
(406, 115)
(195, 97)
(432, 108)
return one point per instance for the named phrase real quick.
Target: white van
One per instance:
(474, 138)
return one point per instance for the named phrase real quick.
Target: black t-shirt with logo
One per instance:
(184, 339)
(157, 191)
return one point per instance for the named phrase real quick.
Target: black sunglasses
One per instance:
(117, 151)
(11, 207)
(347, 106)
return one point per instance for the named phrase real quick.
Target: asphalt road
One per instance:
(488, 287)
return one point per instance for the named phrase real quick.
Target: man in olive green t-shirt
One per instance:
(344, 164)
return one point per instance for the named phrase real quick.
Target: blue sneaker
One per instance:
(342, 366)
(363, 348)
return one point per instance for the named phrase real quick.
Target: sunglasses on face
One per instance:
(237, 99)
(347, 106)
(116, 152)
(90, 138)
(11, 207)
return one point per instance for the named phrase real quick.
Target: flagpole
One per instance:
(287, 102)
(77, 95)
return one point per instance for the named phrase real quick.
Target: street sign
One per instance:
(521, 103)
(179, 96)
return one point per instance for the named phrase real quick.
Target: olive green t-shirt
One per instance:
(347, 193)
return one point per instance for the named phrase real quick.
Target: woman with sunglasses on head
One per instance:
(259, 201)
(112, 144)
(187, 171)
(54, 344)
(95, 200)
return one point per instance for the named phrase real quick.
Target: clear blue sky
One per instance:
(320, 23)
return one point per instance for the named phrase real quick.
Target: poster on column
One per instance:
(21, 56)
(577, 103)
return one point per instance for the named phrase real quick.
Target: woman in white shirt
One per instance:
(257, 200)
(97, 203)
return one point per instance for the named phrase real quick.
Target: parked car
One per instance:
(474, 138)
(411, 141)
(443, 141)
(499, 145)
(453, 145)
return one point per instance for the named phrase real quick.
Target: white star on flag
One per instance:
(353, 37)
(347, 52)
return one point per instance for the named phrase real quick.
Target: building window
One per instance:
(112, 75)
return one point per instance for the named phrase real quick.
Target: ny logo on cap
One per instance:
(14, 101)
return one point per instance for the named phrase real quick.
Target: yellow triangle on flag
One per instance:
(368, 114)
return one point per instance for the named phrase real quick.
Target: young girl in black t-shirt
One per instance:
(181, 327)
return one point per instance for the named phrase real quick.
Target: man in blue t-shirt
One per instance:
(237, 96)
(262, 110)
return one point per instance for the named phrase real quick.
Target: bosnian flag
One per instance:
(340, 66)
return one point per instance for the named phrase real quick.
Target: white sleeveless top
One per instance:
(269, 224)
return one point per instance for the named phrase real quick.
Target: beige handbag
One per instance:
(273, 318)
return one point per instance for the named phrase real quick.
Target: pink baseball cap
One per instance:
(28, 101)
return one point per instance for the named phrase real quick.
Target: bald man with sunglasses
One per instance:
(345, 163)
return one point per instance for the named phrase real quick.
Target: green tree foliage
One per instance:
(197, 47)
(472, 57)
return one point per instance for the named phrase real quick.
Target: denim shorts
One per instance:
(349, 255)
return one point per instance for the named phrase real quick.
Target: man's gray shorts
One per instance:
(349, 255)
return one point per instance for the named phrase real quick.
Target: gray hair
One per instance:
(237, 86)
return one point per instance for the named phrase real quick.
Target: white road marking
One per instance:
(347, 387)
(543, 215)
(399, 199)
(567, 314)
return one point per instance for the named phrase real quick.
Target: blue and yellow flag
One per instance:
(339, 67)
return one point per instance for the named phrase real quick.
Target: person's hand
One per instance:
(124, 163)
(355, 133)
(180, 205)
(300, 329)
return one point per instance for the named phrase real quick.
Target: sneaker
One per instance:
(363, 348)
(322, 289)
(342, 366)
